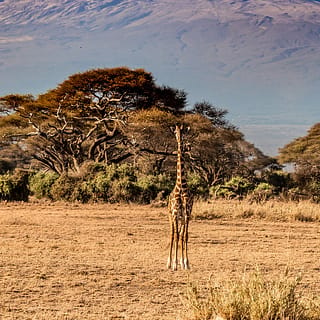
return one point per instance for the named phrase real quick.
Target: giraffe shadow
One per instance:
(212, 242)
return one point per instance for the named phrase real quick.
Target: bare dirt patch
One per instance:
(68, 261)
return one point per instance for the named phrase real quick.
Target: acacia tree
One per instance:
(217, 151)
(221, 150)
(304, 154)
(84, 117)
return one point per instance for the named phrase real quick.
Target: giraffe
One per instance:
(180, 207)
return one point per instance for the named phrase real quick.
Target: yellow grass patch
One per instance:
(304, 211)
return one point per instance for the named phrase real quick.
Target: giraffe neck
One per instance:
(181, 179)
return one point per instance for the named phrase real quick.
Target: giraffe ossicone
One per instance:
(180, 207)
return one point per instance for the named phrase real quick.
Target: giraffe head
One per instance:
(180, 130)
(177, 131)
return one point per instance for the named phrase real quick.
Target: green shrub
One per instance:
(124, 171)
(124, 190)
(100, 182)
(65, 188)
(262, 192)
(214, 191)
(41, 183)
(236, 187)
(80, 192)
(5, 186)
(98, 187)
(150, 186)
(105, 183)
(197, 185)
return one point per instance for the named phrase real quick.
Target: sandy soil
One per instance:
(61, 261)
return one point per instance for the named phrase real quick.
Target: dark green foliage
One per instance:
(5, 187)
(170, 99)
(215, 115)
(123, 183)
(6, 166)
(14, 187)
(278, 179)
(258, 187)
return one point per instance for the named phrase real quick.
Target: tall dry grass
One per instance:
(252, 297)
(271, 210)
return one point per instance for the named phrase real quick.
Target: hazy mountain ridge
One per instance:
(259, 59)
(92, 13)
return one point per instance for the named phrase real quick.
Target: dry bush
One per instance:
(251, 297)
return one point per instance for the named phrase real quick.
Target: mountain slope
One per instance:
(93, 14)
(259, 59)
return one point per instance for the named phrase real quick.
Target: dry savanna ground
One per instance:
(103, 261)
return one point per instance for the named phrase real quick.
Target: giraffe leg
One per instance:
(185, 245)
(182, 244)
(176, 244)
(169, 262)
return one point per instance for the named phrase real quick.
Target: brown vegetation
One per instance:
(103, 261)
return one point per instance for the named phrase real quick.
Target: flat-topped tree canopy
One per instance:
(95, 91)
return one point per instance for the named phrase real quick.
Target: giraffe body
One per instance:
(180, 207)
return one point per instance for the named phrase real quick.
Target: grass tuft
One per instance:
(305, 217)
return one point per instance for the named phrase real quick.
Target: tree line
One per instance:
(104, 120)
